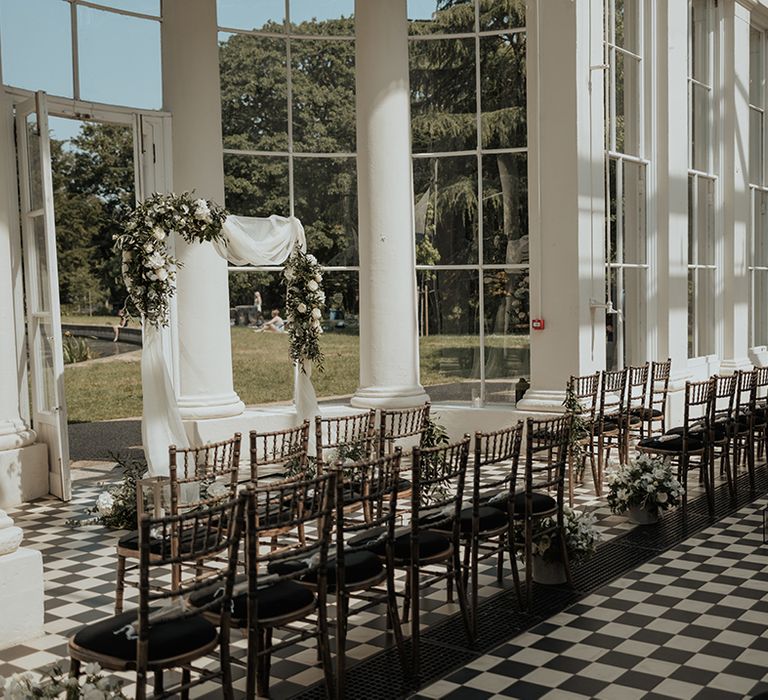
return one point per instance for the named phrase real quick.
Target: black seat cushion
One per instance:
(274, 601)
(541, 503)
(490, 519)
(358, 566)
(646, 413)
(404, 485)
(430, 543)
(720, 431)
(372, 540)
(673, 445)
(130, 541)
(166, 639)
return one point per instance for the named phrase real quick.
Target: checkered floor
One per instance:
(79, 585)
(691, 623)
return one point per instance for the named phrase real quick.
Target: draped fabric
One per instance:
(247, 241)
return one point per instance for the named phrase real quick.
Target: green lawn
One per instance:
(263, 372)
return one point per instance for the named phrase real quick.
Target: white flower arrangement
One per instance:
(149, 270)
(581, 536)
(646, 482)
(53, 682)
(304, 301)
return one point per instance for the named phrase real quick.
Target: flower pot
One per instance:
(549, 573)
(642, 516)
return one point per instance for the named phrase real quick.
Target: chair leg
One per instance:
(473, 565)
(461, 594)
(186, 677)
(74, 672)
(393, 614)
(120, 587)
(226, 665)
(511, 545)
(528, 567)
(159, 682)
(415, 619)
(407, 596)
(342, 606)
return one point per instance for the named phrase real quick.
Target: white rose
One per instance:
(316, 313)
(311, 259)
(321, 296)
(312, 286)
(202, 212)
(92, 668)
(661, 497)
(162, 274)
(127, 255)
(315, 324)
(318, 277)
(104, 505)
(158, 233)
(155, 261)
(288, 274)
(149, 247)
(302, 308)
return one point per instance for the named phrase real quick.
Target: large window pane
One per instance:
(505, 208)
(507, 335)
(119, 59)
(266, 15)
(756, 68)
(445, 192)
(627, 105)
(503, 90)
(448, 323)
(756, 148)
(443, 96)
(502, 14)
(701, 123)
(625, 329)
(36, 44)
(438, 17)
(326, 203)
(256, 185)
(254, 92)
(330, 17)
(700, 34)
(759, 301)
(627, 24)
(323, 74)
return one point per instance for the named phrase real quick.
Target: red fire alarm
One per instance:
(537, 324)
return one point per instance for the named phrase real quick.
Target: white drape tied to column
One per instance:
(249, 241)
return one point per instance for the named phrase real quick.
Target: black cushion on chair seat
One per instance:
(646, 413)
(490, 519)
(541, 503)
(674, 445)
(358, 566)
(166, 639)
(720, 431)
(430, 544)
(130, 541)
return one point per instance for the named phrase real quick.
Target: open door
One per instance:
(38, 230)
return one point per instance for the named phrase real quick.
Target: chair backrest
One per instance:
(584, 390)
(290, 505)
(637, 386)
(352, 437)
(724, 388)
(761, 384)
(188, 538)
(283, 450)
(397, 424)
(497, 447)
(699, 398)
(546, 456)
(659, 385)
(613, 391)
(202, 476)
(746, 393)
(438, 478)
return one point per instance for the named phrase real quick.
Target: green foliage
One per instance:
(76, 349)
(53, 682)
(304, 303)
(579, 431)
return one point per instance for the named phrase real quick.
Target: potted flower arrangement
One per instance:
(581, 538)
(644, 488)
(54, 682)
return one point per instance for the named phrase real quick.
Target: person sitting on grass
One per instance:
(274, 325)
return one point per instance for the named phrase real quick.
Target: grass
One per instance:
(263, 373)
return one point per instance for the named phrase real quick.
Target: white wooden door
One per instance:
(38, 230)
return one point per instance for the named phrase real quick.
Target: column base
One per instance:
(23, 474)
(735, 364)
(21, 596)
(14, 434)
(389, 397)
(538, 401)
(210, 406)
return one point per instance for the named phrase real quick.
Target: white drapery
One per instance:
(247, 241)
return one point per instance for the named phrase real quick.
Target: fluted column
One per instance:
(389, 350)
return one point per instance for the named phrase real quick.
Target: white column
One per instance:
(389, 351)
(566, 168)
(191, 94)
(671, 195)
(23, 464)
(736, 199)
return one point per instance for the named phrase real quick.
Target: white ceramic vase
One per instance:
(549, 573)
(642, 516)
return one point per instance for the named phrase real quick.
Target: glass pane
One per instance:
(507, 336)
(42, 271)
(254, 92)
(36, 40)
(503, 90)
(627, 25)
(329, 17)
(46, 372)
(756, 140)
(705, 222)
(625, 331)
(756, 68)
(701, 121)
(443, 100)
(145, 7)
(326, 203)
(691, 219)
(631, 245)
(323, 75)
(256, 185)
(445, 193)
(35, 166)
(502, 14)
(759, 302)
(448, 323)
(760, 236)
(266, 15)
(627, 103)
(119, 59)
(505, 208)
(700, 37)
(705, 312)
(440, 17)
